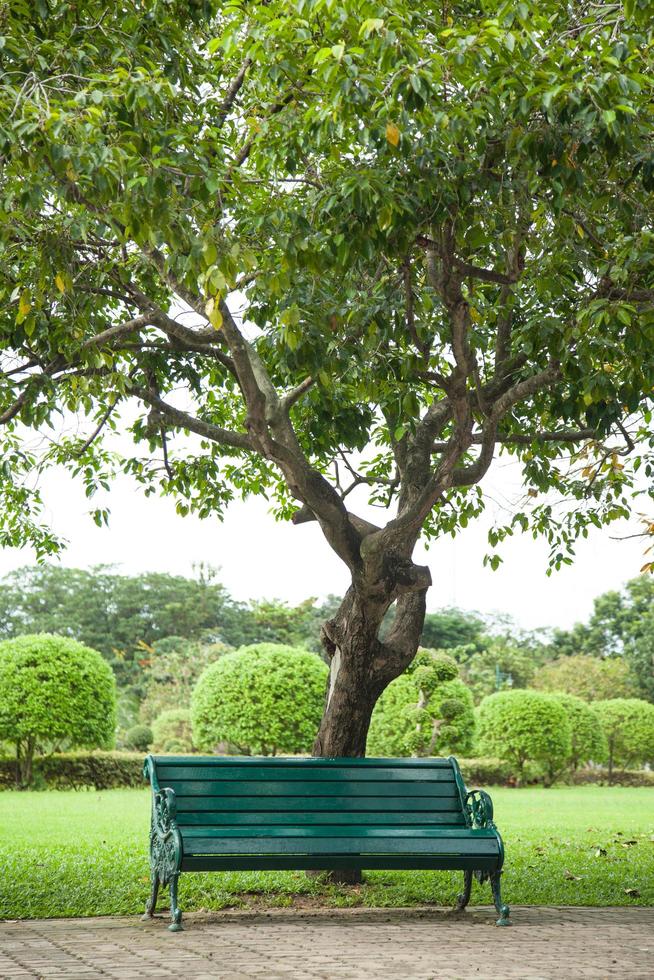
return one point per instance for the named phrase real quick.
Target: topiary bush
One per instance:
(628, 725)
(426, 711)
(263, 699)
(138, 737)
(524, 726)
(54, 693)
(587, 740)
(172, 731)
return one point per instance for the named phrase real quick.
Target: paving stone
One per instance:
(330, 944)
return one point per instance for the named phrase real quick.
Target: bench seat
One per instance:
(241, 814)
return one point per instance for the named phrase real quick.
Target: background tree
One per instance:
(588, 677)
(524, 726)
(172, 668)
(501, 663)
(622, 624)
(628, 725)
(122, 616)
(171, 731)
(319, 249)
(451, 628)
(264, 699)
(54, 693)
(426, 711)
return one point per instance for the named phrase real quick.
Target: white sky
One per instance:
(260, 558)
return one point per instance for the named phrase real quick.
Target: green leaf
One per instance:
(371, 26)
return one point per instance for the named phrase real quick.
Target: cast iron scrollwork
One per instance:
(480, 809)
(165, 846)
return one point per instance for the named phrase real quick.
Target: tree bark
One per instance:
(361, 667)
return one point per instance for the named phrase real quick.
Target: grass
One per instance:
(85, 853)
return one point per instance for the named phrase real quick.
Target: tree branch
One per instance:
(466, 268)
(561, 435)
(215, 433)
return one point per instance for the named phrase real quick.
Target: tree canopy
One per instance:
(621, 625)
(306, 248)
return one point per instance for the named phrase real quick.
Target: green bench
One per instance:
(248, 814)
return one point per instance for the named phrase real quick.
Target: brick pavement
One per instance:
(351, 944)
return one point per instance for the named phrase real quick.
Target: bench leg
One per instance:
(175, 911)
(464, 897)
(502, 910)
(151, 903)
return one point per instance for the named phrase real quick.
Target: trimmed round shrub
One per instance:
(54, 693)
(628, 725)
(139, 738)
(171, 731)
(524, 726)
(263, 699)
(587, 741)
(426, 711)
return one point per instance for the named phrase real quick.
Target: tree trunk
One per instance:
(361, 667)
(24, 758)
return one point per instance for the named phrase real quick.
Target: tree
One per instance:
(622, 624)
(588, 677)
(587, 741)
(451, 628)
(172, 670)
(56, 693)
(426, 711)
(524, 726)
(264, 699)
(628, 725)
(122, 616)
(171, 731)
(308, 249)
(500, 664)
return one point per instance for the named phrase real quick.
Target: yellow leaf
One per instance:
(70, 173)
(648, 567)
(24, 304)
(580, 231)
(212, 309)
(59, 283)
(392, 134)
(216, 319)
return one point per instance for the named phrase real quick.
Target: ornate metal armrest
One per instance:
(165, 838)
(480, 808)
(164, 813)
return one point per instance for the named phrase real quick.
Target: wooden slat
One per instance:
(305, 774)
(275, 787)
(326, 862)
(368, 762)
(204, 818)
(319, 804)
(340, 845)
(361, 832)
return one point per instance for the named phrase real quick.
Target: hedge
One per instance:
(120, 770)
(99, 770)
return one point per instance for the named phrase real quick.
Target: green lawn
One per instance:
(84, 853)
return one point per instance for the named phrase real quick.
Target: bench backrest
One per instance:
(242, 791)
